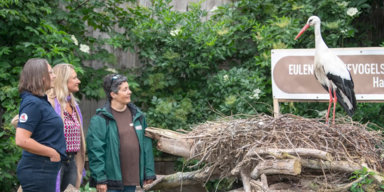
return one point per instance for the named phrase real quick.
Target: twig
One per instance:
(346, 186)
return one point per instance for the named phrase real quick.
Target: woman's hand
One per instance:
(55, 157)
(146, 182)
(101, 188)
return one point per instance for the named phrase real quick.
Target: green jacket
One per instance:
(103, 145)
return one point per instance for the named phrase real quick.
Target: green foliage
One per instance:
(57, 31)
(9, 154)
(86, 188)
(182, 54)
(188, 58)
(363, 175)
(238, 90)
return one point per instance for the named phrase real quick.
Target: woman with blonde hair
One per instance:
(64, 103)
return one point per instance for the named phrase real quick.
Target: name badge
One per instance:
(139, 127)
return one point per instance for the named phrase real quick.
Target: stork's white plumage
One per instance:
(331, 72)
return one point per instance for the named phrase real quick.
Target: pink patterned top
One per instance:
(72, 132)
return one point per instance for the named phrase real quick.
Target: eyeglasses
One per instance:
(113, 78)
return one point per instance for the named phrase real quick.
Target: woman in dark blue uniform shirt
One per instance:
(39, 130)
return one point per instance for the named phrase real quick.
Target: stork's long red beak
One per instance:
(306, 26)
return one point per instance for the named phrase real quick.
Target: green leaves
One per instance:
(238, 91)
(362, 175)
(5, 51)
(39, 28)
(187, 58)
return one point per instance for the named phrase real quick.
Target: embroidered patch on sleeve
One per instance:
(23, 118)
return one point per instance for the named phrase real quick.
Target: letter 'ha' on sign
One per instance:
(293, 73)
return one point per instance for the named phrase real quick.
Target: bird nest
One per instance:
(230, 144)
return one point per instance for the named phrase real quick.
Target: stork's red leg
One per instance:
(334, 105)
(329, 106)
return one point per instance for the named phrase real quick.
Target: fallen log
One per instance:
(172, 142)
(296, 151)
(178, 147)
(246, 179)
(157, 133)
(331, 165)
(180, 179)
(277, 166)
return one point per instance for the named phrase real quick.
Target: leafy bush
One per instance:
(236, 90)
(57, 31)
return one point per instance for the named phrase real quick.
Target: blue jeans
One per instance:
(126, 189)
(68, 172)
(37, 173)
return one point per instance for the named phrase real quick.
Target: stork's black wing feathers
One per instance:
(350, 112)
(346, 86)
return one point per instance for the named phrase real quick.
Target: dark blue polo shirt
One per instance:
(38, 116)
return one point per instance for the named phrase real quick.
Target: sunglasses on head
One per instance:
(113, 78)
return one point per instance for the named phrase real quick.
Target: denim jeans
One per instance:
(126, 189)
(37, 173)
(68, 172)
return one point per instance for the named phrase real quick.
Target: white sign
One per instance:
(293, 76)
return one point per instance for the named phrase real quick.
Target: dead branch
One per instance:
(277, 166)
(297, 151)
(182, 178)
(245, 178)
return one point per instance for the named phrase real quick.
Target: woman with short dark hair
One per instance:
(39, 129)
(120, 155)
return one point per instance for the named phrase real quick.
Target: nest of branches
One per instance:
(231, 145)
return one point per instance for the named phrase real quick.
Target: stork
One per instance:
(332, 73)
